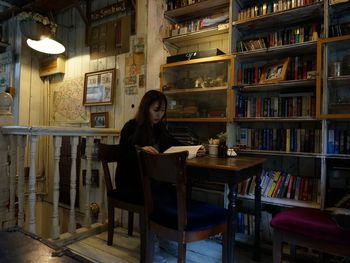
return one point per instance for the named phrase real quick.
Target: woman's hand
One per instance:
(150, 149)
(201, 151)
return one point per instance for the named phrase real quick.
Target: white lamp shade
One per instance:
(46, 45)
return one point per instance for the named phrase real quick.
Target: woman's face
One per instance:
(156, 112)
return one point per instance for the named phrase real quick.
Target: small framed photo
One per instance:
(99, 120)
(275, 72)
(99, 87)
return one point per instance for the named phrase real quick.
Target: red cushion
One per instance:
(311, 223)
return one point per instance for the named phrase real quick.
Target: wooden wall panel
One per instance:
(156, 53)
(33, 98)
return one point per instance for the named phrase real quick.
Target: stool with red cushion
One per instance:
(310, 228)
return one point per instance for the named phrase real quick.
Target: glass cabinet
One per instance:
(199, 90)
(333, 78)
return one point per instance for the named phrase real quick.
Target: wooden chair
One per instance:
(311, 228)
(111, 154)
(170, 213)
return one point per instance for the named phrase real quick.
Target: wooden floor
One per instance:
(126, 250)
(18, 247)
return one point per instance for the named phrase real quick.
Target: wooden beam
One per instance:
(88, 18)
(81, 13)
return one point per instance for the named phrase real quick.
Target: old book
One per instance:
(192, 150)
(276, 177)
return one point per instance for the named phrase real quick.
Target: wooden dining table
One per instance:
(231, 171)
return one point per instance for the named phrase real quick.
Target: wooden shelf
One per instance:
(342, 80)
(277, 119)
(194, 90)
(183, 40)
(338, 156)
(224, 119)
(196, 10)
(282, 201)
(280, 19)
(277, 52)
(280, 153)
(291, 85)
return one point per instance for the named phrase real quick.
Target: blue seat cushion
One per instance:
(200, 215)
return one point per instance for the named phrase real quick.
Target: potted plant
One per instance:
(217, 146)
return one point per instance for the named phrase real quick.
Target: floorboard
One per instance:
(126, 249)
(21, 247)
(18, 247)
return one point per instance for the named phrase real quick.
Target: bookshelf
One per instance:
(191, 22)
(191, 26)
(277, 119)
(333, 102)
(308, 106)
(315, 36)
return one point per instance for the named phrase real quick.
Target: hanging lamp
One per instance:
(40, 33)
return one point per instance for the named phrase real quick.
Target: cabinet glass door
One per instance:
(197, 90)
(334, 77)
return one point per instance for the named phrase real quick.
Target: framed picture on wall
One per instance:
(275, 72)
(99, 87)
(99, 120)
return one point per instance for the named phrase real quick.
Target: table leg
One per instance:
(232, 222)
(257, 218)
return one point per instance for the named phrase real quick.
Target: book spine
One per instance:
(288, 138)
(290, 187)
(297, 188)
(285, 186)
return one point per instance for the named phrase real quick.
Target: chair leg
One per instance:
(130, 223)
(143, 237)
(293, 252)
(224, 247)
(110, 225)
(150, 246)
(277, 246)
(181, 247)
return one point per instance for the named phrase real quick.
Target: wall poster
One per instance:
(66, 102)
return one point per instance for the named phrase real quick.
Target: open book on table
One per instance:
(192, 150)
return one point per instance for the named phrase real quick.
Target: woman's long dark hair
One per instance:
(145, 133)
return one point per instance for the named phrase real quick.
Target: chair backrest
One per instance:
(108, 153)
(164, 168)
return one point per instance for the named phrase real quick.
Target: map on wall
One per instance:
(66, 102)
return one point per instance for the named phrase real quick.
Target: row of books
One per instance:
(338, 29)
(338, 141)
(271, 6)
(298, 68)
(281, 139)
(301, 104)
(289, 36)
(245, 223)
(196, 25)
(173, 4)
(279, 184)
